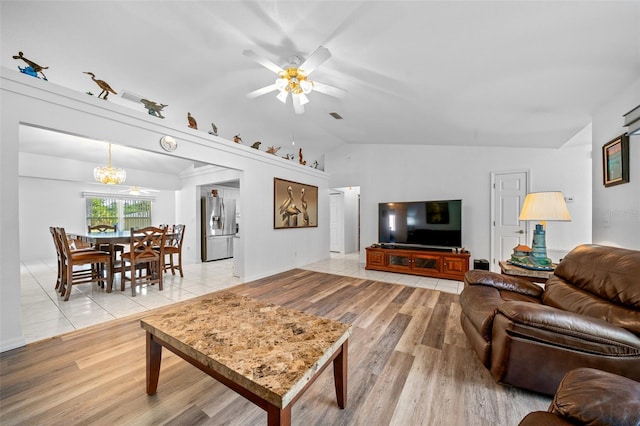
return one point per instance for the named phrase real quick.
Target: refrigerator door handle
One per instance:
(222, 218)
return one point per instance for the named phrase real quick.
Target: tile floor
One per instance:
(44, 314)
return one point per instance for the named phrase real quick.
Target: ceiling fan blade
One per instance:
(329, 90)
(263, 91)
(297, 105)
(317, 58)
(262, 61)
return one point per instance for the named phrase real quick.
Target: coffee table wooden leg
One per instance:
(278, 416)
(154, 356)
(340, 375)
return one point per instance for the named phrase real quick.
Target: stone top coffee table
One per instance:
(266, 353)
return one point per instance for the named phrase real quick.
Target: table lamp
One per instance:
(542, 206)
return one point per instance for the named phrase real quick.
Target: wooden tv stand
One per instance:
(425, 262)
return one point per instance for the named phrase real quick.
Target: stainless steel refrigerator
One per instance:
(218, 227)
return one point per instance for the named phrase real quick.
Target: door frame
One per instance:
(492, 218)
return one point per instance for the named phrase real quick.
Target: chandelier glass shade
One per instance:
(109, 175)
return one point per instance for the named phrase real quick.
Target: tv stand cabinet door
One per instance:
(427, 264)
(375, 258)
(399, 261)
(455, 266)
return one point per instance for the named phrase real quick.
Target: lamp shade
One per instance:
(545, 206)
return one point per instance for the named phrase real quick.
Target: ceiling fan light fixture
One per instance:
(109, 175)
(282, 96)
(282, 83)
(306, 86)
(302, 98)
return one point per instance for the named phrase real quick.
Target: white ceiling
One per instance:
(520, 74)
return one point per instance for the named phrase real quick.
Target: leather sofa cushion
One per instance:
(480, 304)
(502, 282)
(594, 397)
(567, 297)
(611, 273)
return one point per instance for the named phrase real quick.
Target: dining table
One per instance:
(110, 239)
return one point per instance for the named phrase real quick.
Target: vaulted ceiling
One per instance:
(502, 73)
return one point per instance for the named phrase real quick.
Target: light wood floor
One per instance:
(409, 364)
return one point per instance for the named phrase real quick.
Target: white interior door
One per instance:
(336, 222)
(508, 192)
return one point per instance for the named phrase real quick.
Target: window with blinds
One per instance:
(124, 213)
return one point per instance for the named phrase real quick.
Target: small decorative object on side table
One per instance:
(536, 276)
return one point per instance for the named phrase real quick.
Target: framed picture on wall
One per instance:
(615, 161)
(295, 205)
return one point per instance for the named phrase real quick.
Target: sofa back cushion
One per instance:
(610, 273)
(563, 295)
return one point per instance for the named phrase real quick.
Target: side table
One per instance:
(528, 274)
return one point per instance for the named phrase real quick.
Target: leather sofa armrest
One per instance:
(569, 324)
(502, 282)
(589, 396)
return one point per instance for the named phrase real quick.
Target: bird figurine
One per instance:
(33, 69)
(106, 89)
(300, 159)
(237, 138)
(273, 149)
(153, 108)
(213, 132)
(192, 121)
(256, 145)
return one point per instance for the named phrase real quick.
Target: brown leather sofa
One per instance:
(592, 397)
(587, 315)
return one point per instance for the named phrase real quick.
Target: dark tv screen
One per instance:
(425, 223)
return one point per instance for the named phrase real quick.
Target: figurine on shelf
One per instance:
(33, 69)
(315, 164)
(213, 132)
(288, 157)
(153, 108)
(106, 89)
(300, 159)
(256, 145)
(192, 121)
(273, 149)
(237, 138)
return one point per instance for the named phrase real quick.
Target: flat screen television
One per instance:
(432, 224)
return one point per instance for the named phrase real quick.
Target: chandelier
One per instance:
(109, 175)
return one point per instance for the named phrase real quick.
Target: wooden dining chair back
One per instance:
(72, 258)
(143, 255)
(59, 258)
(119, 248)
(174, 247)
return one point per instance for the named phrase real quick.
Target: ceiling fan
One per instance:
(136, 190)
(294, 78)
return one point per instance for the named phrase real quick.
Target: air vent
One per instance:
(335, 115)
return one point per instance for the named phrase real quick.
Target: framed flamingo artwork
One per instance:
(295, 205)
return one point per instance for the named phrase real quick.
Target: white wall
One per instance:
(414, 173)
(35, 102)
(616, 209)
(45, 202)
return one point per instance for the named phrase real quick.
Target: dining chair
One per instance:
(174, 246)
(72, 258)
(78, 274)
(142, 256)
